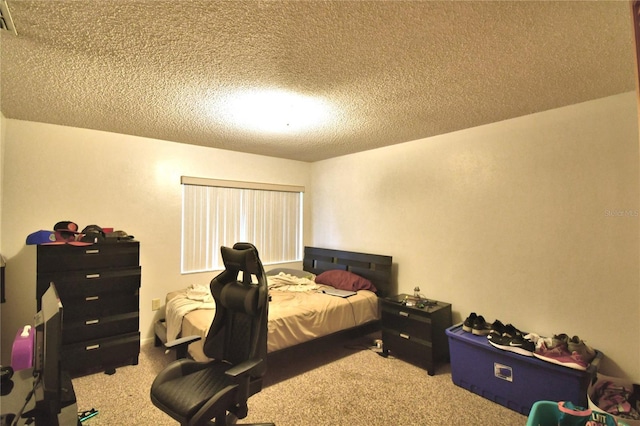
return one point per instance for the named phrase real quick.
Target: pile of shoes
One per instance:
(509, 338)
(559, 349)
(562, 350)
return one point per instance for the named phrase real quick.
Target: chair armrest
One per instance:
(241, 375)
(243, 368)
(180, 345)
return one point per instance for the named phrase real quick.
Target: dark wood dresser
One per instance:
(414, 333)
(99, 289)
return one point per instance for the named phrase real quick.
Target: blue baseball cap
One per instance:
(41, 237)
(52, 238)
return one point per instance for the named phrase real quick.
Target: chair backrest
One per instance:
(239, 328)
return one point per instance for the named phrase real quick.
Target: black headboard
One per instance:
(374, 267)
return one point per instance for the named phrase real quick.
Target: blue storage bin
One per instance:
(512, 380)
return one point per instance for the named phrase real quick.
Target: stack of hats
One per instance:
(67, 232)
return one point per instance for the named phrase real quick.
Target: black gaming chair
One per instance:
(193, 392)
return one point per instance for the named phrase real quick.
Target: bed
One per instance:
(299, 309)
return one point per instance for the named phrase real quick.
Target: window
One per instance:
(220, 213)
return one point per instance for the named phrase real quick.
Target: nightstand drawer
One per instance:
(415, 350)
(407, 323)
(404, 337)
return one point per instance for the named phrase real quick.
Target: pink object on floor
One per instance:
(22, 349)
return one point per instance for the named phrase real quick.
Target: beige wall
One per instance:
(55, 173)
(2, 139)
(533, 221)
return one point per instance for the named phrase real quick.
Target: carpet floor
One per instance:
(329, 383)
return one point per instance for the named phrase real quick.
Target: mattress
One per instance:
(294, 317)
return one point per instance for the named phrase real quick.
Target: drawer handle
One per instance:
(90, 298)
(90, 276)
(404, 336)
(92, 347)
(91, 322)
(92, 251)
(404, 314)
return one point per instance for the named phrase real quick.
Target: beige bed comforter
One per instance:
(294, 317)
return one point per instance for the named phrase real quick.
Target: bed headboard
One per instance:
(374, 267)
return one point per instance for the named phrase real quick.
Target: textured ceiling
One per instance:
(386, 72)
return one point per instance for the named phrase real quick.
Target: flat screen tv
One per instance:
(47, 348)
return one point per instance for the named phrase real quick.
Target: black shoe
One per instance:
(511, 331)
(467, 325)
(517, 344)
(497, 328)
(480, 326)
(499, 331)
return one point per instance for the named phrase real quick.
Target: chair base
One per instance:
(231, 419)
(224, 423)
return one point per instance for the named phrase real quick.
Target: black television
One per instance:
(47, 356)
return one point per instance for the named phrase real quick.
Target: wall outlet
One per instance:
(155, 304)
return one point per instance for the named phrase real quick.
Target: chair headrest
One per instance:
(242, 257)
(236, 295)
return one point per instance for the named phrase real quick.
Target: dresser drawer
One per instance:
(64, 258)
(82, 284)
(101, 353)
(100, 327)
(101, 306)
(407, 323)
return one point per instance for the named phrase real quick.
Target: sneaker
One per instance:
(467, 325)
(480, 326)
(510, 330)
(540, 341)
(586, 352)
(497, 328)
(512, 341)
(559, 340)
(533, 337)
(517, 344)
(560, 355)
(500, 330)
(547, 343)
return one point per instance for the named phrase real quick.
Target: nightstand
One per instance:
(416, 334)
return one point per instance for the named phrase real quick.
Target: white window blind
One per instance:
(220, 213)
